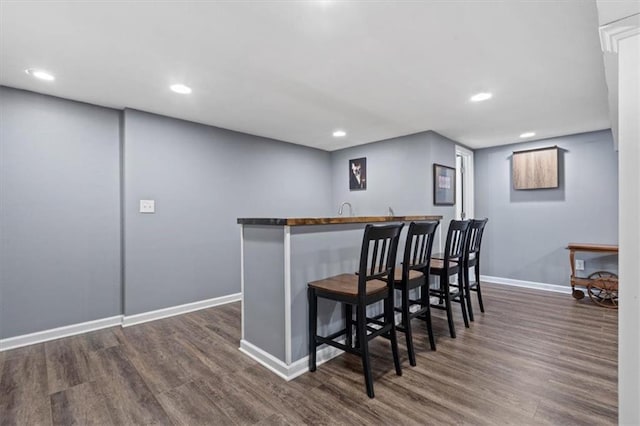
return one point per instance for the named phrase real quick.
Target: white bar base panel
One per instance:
(293, 370)
(526, 284)
(58, 333)
(118, 320)
(129, 320)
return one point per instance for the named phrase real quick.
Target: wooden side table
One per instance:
(602, 286)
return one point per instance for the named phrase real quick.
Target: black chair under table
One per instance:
(414, 274)
(373, 283)
(451, 264)
(472, 260)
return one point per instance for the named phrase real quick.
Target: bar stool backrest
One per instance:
(474, 237)
(456, 238)
(378, 255)
(417, 250)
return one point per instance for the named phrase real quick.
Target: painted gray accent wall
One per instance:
(399, 174)
(528, 231)
(202, 179)
(59, 212)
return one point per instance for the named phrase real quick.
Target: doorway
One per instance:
(464, 183)
(464, 188)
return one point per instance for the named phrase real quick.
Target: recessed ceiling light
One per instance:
(527, 134)
(181, 88)
(478, 97)
(339, 134)
(41, 74)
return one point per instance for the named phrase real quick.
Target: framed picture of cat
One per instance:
(358, 174)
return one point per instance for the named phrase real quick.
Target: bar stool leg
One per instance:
(467, 293)
(447, 302)
(478, 286)
(463, 302)
(406, 321)
(426, 302)
(349, 323)
(390, 314)
(364, 349)
(313, 324)
(357, 339)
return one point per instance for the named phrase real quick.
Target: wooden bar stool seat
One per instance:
(437, 264)
(397, 276)
(413, 275)
(347, 285)
(373, 283)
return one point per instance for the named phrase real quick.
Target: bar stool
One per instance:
(414, 274)
(451, 264)
(373, 283)
(472, 260)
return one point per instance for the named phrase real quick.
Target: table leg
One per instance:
(577, 294)
(572, 261)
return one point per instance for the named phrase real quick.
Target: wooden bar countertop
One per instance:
(593, 247)
(301, 221)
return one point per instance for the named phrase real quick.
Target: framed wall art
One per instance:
(535, 168)
(358, 174)
(444, 185)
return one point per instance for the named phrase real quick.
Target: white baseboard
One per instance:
(58, 333)
(526, 284)
(129, 320)
(124, 321)
(295, 369)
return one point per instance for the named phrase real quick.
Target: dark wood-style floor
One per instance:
(532, 358)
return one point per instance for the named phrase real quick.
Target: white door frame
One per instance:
(623, 37)
(468, 183)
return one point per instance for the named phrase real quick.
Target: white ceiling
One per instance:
(296, 71)
(610, 11)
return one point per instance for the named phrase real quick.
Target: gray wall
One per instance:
(528, 231)
(60, 205)
(204, 178)
(60, 218)
(59, 212)
(399, 174)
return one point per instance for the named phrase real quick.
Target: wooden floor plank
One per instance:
(189, 405)
(67, 363)
(242, 403)
(532, 358)
(156, 356)
(83, 404)
(128, 397)
(24, 394)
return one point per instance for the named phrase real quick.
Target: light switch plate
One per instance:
(147, 206)
(579, 265)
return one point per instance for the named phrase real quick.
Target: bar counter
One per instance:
(300, 221)
(279, 256)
